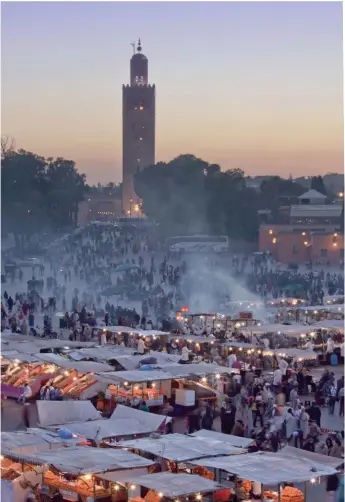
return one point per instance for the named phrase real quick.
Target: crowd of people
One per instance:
(88, 273)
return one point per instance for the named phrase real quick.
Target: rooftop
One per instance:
(312, 194)
(316, 210)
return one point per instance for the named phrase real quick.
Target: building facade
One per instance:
(99, 207)
(312, 233)
(138, 118)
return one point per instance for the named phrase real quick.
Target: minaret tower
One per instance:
(138, 116)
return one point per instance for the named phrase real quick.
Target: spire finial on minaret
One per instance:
(139, 46)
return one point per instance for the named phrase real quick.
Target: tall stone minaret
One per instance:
(138, 116)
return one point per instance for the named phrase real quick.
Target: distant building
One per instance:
(138, 117)
(100, 207)
(311, 234)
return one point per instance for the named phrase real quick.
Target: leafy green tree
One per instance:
(190, 196)
(37, 193)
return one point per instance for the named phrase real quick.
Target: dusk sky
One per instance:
(251, 85)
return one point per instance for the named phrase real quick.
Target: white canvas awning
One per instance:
(295, 329)
(329, 324)
(20, 358)
(131, 362)
(174, 485)
(79, 366)
(97, 430)
(225, 438)
(62, 412)
(269, 468)
(101, 354)
(184, 370)
(290, 451)
(135, 376)
(31, 441)
(193, 338)
(151, 421)
(133, 331)
(81, 460)
(295, 353)
(179, 448)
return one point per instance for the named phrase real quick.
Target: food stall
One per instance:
(164, 486)
(74, 378)
(25, 369)
(259, 472)
(172, 451)
(127, 336)
(72, 472)
(149, 386)
(33, 440)
(82, 420)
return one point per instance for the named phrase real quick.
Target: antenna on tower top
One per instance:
(133, 45)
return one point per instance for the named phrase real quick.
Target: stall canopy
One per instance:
(130, 362)
(179, 448)
(290, 451)
(151, 421)
(269, 468)
(295, 353)
(174, 485)
(135, 376)
(62, 412)
(79, 366)
(81, 460)
(225, 438)
(20, 358)
(32, 440)
(82, 419)
(184, 370)
(329, 324)
(193, 338)
(282, 328)
(134, 331)
(101, 354)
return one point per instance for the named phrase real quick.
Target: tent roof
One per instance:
(179, 448)
(184, 370)
(174, 485)
(102, 354)
(32, 440)
(107, 428)
(290, 451)
(150, 420)
(79, 366)
(226, 438)
(134, 376)
(312, 194)
(275, 328)
(62, 412)
(82, 460)
(131, 362)
(269, 468)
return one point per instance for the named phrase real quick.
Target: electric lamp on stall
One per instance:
(198, 496)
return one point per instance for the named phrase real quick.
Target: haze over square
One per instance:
(250, 85)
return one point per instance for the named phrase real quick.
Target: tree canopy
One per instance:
(318, 184)
(189, 195)
(38, 193)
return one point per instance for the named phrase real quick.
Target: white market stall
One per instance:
(167, 485)
(71, 472)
